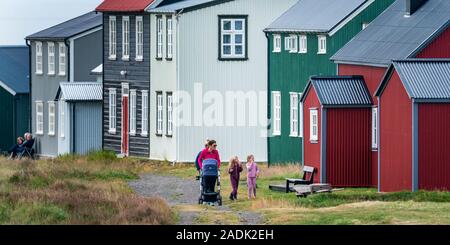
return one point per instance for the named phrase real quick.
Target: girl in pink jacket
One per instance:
(252, 174)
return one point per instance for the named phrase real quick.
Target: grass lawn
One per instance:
(76, 190)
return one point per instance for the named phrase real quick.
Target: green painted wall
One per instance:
(289, 72)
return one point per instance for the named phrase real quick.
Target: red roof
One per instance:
(123, 5)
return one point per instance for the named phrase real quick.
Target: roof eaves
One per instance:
(7, 88)
(296, 30)
(348, 18)
(387, 76)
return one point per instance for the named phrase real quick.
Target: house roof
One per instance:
(80, 91)
(124, 6)
(70, 28)
(394, 35)
(315, 15)
(14, 69)
(186, 6)
(339, 90)
(422, 78)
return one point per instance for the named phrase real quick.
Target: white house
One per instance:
(209, 77)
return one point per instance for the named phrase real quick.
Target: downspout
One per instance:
(177, 17)
(68, 59)
(72, 125)
(103, 82)
(27, 42)
(268, 97)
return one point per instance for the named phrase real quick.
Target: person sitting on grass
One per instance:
(252, 174)
(234, 169)
(16, 149)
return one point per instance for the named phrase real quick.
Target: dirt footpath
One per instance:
(180, 192)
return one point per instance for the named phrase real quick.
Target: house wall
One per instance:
(64, 143)
(138, 75)
(348, 155)
(21, 114)
(7, 138)
(289, 72)
(395, 137)
(88, 55)
(433, 141)
(199, 63)
(439, 48)
(88, 131)
(312, 150)
(163, 79)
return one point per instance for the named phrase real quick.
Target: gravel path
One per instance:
(179, 191)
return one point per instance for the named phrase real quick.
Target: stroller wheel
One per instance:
(200, 201)
(219, 201)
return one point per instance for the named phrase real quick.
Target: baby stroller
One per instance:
(209, 174)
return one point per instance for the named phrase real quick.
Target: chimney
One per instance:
(413, 5)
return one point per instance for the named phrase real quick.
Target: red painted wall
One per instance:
(311, 150)
(373, 76)
(434, 145)
(395, 137)
(439, 48)
(349, 147)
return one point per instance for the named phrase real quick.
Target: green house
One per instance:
(301, 42)
(14, 94)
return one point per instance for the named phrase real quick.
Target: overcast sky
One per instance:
(20, 18)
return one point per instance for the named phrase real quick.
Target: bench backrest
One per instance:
(308, 173)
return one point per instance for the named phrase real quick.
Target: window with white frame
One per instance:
(62, 118)
(169, 29)
(374, 128)
(39, 117)
(287, 43)
(112, 110)
(159, 37)
(169, 114)
(51, 58)
(300, 117)
(322, 42)
(51, 118)
(125, 38)
(294, 114)
(303, 44)
(233, 38)
(112, 37)
(62, 59)
(144, 129)
(313, 125)
(139, 38)
(276, 100)
(293, 44)
(39, 58)
(132, 112)
(277, 43)
(159, 113)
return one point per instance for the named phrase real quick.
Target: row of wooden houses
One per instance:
(109, 79)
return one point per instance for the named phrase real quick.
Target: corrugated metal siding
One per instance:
(22, 114)
(434, 142)
(439, 48)
(348, 147)
(82, 91)
(6, 124)
(88, 130)
(342, 91)
(395, 137)
(312, 150)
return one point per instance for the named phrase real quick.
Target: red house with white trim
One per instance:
(407, 29)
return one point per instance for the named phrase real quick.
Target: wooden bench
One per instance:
(305, 190)
(307, 178)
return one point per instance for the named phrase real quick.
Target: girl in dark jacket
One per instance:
(234, 169)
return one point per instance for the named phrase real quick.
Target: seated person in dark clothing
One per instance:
(16, 149)
(28, 144)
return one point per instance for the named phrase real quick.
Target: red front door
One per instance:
(125, 120)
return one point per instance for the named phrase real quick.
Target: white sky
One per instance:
(20, 18)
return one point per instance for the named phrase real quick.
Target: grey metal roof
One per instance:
(14, 64)
(340, 90)
(80, 91)
(422, 78)
(185, 5)
(393, 35)
(70, 28)
(315, 15)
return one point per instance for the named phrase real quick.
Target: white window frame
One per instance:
(126, 38)
(293, 44)
(133, 111)
(159, 113)
(39, 118)
(322, 44)
(159, 37)
(169, 33)
(300, 117)
(287, 43)
(169, 114)
(62, 118)
(276, 100)
(233, 33)
(62, 59)
(39, 59)
(112, 38)
(303, 44)
(276, 43)
(139, 38)
(375, 128)
(313, 125)
(144, 117)
(51, 58)
(294, 113)
(112, 115)
(51, 118)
